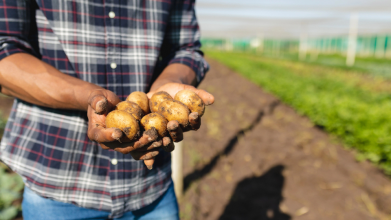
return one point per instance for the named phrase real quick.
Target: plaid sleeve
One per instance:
(183, 36)
(14, 27)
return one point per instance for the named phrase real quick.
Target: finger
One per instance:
(144, 155)
(150, 94)
(99, 103)
(148, 139)
(194, 122)
(168, 145)
(101, 134)
(153, 145)
(149, 136)
(206, 97)
(126, 148)
(149, 163)
(175, 131)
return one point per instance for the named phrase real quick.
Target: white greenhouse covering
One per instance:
(290, 19)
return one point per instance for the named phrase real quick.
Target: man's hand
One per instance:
(176, 132)
(101, 102)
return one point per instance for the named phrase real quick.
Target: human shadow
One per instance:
(200, 173)
(258, 198)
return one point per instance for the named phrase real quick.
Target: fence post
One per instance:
(303, 47)
(177, 172)
(352, 44)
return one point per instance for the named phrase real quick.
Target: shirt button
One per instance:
(113, 65)
(114, 161)
(111, 14)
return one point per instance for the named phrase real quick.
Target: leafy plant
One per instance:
(357, 114)
(11, 186)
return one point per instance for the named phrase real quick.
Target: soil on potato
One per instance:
(256, 158)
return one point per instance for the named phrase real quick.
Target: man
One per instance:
(68, 62)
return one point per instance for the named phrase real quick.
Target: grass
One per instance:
(348, 104)
(379, 67)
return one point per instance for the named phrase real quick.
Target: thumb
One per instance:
(99, 103)
(102, 101)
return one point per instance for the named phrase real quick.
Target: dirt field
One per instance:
(255, 158)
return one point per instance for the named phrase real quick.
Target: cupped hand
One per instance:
(100, 103)
(176, 131)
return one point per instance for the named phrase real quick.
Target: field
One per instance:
(351, 105)
(285, 140)
(257, 158)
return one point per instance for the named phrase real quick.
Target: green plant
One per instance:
(357, 115)
(11, 186)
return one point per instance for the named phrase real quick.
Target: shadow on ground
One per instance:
(200, 173)
(258, 198)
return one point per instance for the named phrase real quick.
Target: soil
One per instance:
(256, 158)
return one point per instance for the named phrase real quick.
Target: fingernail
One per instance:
(157, 144)
(149, 167)
(173, 126)
(194, 115)
(155, 153)
(150, 139)
(117, 134)
(100, 106)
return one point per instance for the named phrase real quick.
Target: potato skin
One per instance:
(174, 110)
(125, 122)
(157, 121)
(131, 108)
(158, 98)
(141, 99)
(191, 100)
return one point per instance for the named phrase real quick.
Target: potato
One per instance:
(131, 108)
(174, 110)
(123, 121)
(141, 99)
(158, 98)
(157, 121)
(191, 100)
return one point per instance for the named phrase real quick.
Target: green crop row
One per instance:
(359, 116)
(11, 187)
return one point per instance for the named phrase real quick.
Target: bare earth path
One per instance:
(256, 158)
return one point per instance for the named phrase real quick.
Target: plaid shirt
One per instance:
(119, 45)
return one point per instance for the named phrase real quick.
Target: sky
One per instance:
(291, 18)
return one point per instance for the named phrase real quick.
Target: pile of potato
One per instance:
(133, 115)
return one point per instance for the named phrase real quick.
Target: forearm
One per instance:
(175, 73)
(30, 79)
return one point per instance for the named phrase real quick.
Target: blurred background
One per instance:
(301, 125)
(308, 28)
